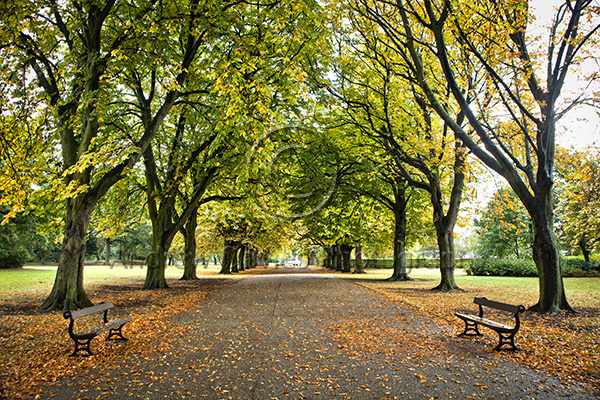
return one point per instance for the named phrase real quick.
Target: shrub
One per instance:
(501, 267)
(571, 267)
(377, 263)
(14, 259)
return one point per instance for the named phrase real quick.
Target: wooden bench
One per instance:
(505, 332)
(83, 339)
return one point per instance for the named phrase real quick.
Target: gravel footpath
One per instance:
(307, 336)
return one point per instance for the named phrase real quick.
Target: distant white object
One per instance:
(295, 262)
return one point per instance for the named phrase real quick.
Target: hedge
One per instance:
(388, 263)
(571, 267)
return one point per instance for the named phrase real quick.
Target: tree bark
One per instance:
(336, 258)
(234, 258)
(328, 261)
(400, 204)
(358, 262)
(157, 260)
(228, 255)
(67, 292)
(552, 297)
(345, 252)
(189, 260)
(584, 250)
(107, 255)
(250, 260)
(447, 262)
(242, 258)
(311, 259)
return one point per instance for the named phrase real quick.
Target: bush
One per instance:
(12, 252)
(501, 267)
(412, 263)
(13, 260)
(377, 263)
(571, 267)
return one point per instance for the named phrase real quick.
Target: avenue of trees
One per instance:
(241, 127)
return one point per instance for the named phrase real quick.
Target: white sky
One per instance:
(581, 126)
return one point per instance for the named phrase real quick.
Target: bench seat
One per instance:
(83, 339)
(505, 332)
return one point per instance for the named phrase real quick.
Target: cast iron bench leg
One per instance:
(116, 334)
(509, 339)
(82, 345)
(470, 327)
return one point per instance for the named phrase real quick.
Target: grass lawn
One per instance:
(566, 345)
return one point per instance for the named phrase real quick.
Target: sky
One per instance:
(580, 127)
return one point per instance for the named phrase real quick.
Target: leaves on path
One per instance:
(35, 347)
(564, 345)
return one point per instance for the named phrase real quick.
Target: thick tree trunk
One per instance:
(584, 249)
(328, 261)
(547, 260)
(189, 259)
(157, 263)
(107, 255)
(311, 259)
(358, 262)
(234, 259)
(67, 292)
(336, 258)
(345, 252)
(242, 258)
(447, 262)
(249, 255)
(228, 255)
(400, 203)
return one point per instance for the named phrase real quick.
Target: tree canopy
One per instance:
(250, 125)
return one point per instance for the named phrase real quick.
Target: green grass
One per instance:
(36, 278)
(581, 292)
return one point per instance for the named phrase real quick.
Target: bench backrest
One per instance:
(90, 310)
(482, 301)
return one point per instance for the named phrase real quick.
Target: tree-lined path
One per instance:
(311, 336)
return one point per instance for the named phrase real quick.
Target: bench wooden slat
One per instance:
(487, 322)
(91, 310)
(496, 304)
(83, 339)
(103, 328)
(506, 334)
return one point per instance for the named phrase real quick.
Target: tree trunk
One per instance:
(447, 263)
(242, 258)
(345, 252)
(189, 259)
(228, 255)
(358, 267)
(400, 203)
(107, 257)
(157, 262)
(248, 263)
(547, 260)
(584, 249)
(234, 259)
(311, 260)
(328, 261)
(67, 292)
(444, 227)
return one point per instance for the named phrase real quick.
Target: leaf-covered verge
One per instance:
(565, 345)
(35, 347)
